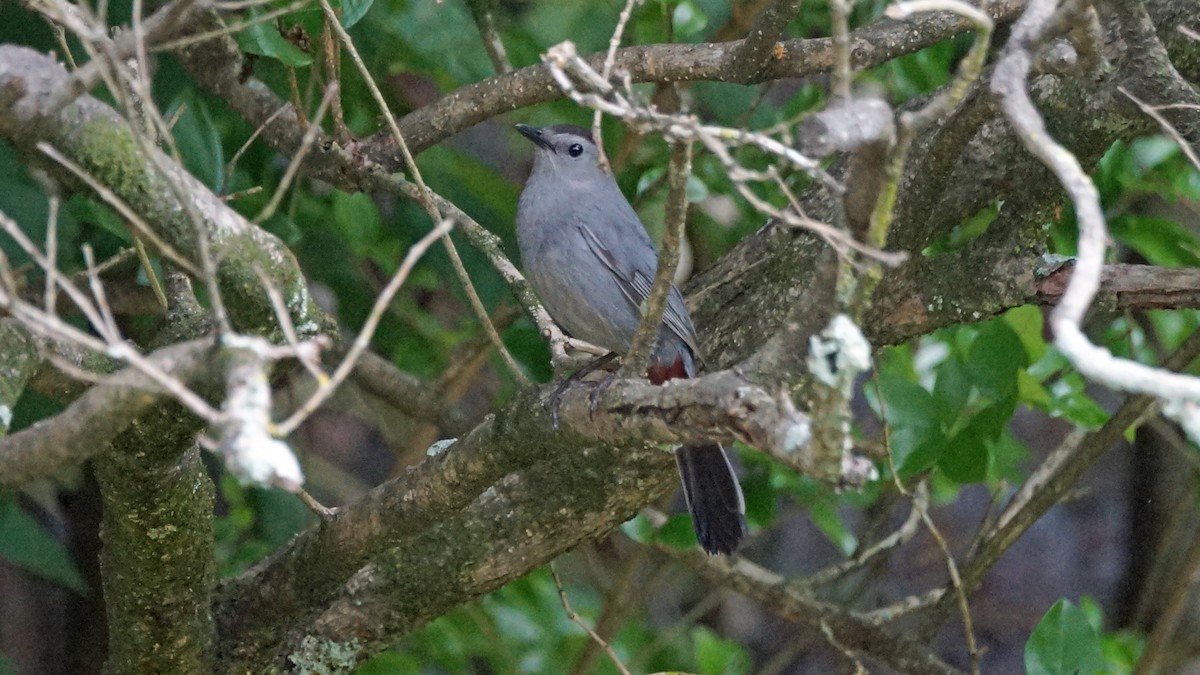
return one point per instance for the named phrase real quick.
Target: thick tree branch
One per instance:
(87, 426)
(94, 137)
(19, 359)
(413, 510)
(157, 559)
(523, 521)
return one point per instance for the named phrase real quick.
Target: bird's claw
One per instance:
(598, 391)
(555, 400)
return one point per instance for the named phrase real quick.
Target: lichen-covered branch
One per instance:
(96, 138)
(19, 359)
(157, 560)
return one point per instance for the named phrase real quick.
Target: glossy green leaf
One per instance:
(263, 39)
(996, 356)
(199, 141)
(967, 458)
(353, 10)
(1027, 322)
(1063, 643)
(25, 544)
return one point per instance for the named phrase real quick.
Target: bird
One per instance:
(590, 261)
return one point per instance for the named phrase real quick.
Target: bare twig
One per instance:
(606, 72)
(141, 228)
(1167, 127)
(839, 13)
(678, 172)
(578, 621)
(310, 135)
(363, 339)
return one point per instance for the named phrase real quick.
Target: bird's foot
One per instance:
(555, 400)
(598, 391)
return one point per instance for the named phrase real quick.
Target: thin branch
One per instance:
(485, 20)
(1181, 393)
(578, 621)
(606, 72)
(1167, 127)
(851, 629)
(839, 18)
(1179, 597)
(136, 222)
(306, 143)
(363, 339)
(425, 198)
(674, 222)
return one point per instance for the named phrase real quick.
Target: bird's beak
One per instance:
(534, 134)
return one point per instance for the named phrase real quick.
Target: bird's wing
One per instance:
(635, 285)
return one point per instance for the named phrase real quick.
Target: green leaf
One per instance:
(965, 232)
(6, 666)
(639, 529)
(1161, 240)
(995, 358)
(717, 655)
(1063, 643)
(917, 439)
(952, 389)
(263, 39)
(358, 219)
(198, 140)
(1026, 321)
(1030, 391)
(92, 211)
(826, 517)
(677, 532)
(353, 10)
(25, 544)
(968, 454)
(761, 497)
(924, 454)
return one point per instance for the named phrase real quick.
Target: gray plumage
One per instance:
(589, 259)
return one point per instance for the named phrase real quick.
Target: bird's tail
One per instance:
(713, 497)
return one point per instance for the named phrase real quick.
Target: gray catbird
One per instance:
(591, 262)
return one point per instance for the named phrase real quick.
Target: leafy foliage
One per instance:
(948, 400)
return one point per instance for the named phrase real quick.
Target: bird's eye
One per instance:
(575, 150)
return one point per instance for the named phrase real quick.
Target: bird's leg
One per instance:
(598, 391)
(556, 398)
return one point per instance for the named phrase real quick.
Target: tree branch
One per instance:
(93, 136)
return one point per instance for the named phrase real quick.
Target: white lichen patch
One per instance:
(251, 452)
(5, 416)
(841, 351)
(440, 446)
(797, 437)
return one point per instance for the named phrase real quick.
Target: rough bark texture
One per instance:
(513, 492)
(157, 559)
